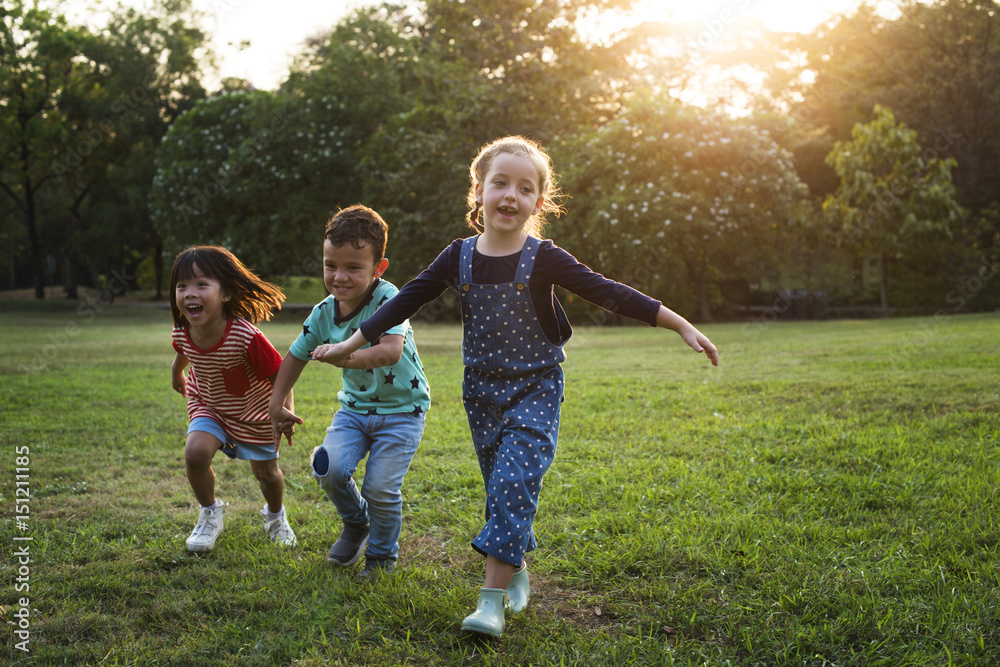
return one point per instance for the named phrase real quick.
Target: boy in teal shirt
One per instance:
(383, 401)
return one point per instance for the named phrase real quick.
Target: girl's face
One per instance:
(509, 194)
(200, 299)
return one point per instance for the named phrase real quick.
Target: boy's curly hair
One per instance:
(359, 226)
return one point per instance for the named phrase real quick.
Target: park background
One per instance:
(827, 496)
(728, 169)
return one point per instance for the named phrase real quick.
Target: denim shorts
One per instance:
(231, 448)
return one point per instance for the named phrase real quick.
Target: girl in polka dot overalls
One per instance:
(514, 331)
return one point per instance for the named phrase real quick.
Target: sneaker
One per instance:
(278, 529)
(207, 530)
(349, 546)
(376, 567)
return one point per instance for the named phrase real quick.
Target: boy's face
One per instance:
(348, 272)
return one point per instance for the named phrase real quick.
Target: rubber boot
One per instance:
(488, 618)
(518, 592)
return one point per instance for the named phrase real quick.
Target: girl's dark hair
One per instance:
(359, 226)
(250, 297)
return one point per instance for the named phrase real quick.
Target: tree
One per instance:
(37, 50)
(484, 69)
(84, 114)
(888, 194)
(666, 185)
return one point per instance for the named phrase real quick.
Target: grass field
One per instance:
(830, 495)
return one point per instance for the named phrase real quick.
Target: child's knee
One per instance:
(320, 462)
(266, 472)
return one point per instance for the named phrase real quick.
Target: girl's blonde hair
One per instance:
(250, 297)
(547, 187)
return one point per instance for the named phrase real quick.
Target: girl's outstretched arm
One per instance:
(699, 342)
(341, 352)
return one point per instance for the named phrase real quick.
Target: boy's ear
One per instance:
(381, 267)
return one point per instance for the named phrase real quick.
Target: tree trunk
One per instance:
(883, 284)
(70, 283)
(697, 270)
(37, 273)
(158, 268)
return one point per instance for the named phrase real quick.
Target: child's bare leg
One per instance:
(272, 483)
(199, 449)
(498, 573)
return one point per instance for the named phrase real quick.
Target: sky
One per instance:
(276, 35)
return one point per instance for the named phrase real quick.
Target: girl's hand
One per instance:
(283, 424)
(331, 354)
(700, 343)
(180, 384)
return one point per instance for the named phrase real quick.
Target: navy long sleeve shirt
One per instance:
(553, 266)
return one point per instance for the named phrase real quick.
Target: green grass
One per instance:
(830, 495)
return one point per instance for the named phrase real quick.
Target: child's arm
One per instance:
(280, 408)
(339, 353)
(178, 379)
(387, 353)
(668, 319)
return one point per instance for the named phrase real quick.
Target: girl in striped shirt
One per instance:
(216, 302)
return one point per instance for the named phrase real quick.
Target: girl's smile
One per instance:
(202, 302)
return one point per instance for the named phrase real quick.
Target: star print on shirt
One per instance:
(321, 304)
(415, 383)
(305, 329)
(373, 411)
(389, 377)
(385, 297)
(416, 411)
(352, 404)
(362, 387)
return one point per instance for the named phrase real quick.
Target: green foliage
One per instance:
(90, 109)
(665, 185)
(889, 194)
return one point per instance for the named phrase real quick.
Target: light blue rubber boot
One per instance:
(488, 618)
(519, 591)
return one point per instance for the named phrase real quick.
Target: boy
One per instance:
(383, 401)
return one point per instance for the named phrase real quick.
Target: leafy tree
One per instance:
(36, 53)
(216, 178)
(86, 112)
(665, 185)
(142, 73)
(889, 194)
(485, 69)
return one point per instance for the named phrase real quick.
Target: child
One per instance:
(216, 302)
(512, 349)
(383, 401)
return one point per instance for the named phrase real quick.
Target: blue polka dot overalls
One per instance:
(512, 391)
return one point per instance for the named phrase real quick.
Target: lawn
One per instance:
(830, 495)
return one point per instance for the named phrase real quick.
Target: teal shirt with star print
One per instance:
(400, 388)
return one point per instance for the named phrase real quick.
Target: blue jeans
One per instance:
(389, 441)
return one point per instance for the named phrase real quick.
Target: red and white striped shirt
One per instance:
(229, 381)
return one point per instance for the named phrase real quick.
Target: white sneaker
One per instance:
(207, 530)
(278, 529)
